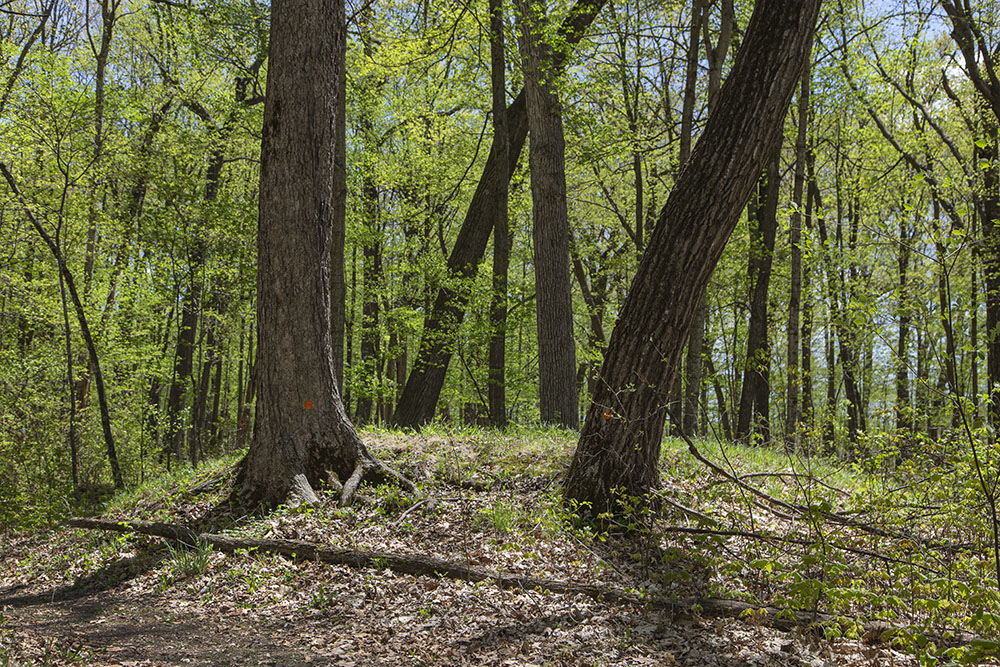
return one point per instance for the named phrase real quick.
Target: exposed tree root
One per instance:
(782, 619)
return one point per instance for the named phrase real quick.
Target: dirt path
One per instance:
(280, 613)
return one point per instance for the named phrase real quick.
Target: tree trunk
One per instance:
(497, 387)
(557, 395)
(302, 433)
(184, 358)
(753, 415)
(369, 384)
(716, 56)
(696, 334)
(423, 386)
(338, 292)
(81, 316)
(903, 410)
(720, 397)
(619, 447)
(108, 19)
(808, 409)
(793, 413)
(990, 254)
(73, 449)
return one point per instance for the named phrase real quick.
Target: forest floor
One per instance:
(69, 596)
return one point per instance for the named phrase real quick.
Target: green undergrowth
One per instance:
(876, 537)
(158, 499)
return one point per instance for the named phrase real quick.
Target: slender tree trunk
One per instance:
(81, 316)
(619, 447)
(754, 403)
(73, 449)
(557, 395)
(369, 384)
(990, 255)
(183, 360)
(944, 309)
(497, 387)
(696, 334)
(349, 320)
(903, 410)
(423, 386)
(595, 298)
(974, 327)
(109, 17)
(830, 356)
(369, 387)
(807, 407)
(847, 340)
(720, 396)
(190, 315)
(793, 414)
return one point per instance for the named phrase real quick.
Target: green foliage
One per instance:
(190, 560)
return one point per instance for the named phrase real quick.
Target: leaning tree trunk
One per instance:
(302, 432)
(619, 447)
(423, 386)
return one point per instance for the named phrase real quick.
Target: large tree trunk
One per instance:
(302, 432)
(619, 447)
(557, 394)
(423, 387)
(338, 291)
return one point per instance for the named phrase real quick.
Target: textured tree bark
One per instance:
(302, 433)
(619, 447)
(557, 395)
(338, 291)
(497, 387)
(423, 386)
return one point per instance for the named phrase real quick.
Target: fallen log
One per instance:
(420, 565)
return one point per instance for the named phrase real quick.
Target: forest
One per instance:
(691, 306)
